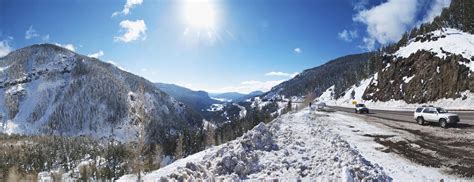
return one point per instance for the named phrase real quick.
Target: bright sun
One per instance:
(200, 14)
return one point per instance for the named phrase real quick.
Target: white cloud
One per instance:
(298, 50)
(388, 21)
(45, 38)
(279, 73)
(4, 48)
(67, 46)
(369, 44)
(435, 10)
(348, 35)
(253, 85)
(134, 30)
(97, 54)
(31, 33)
(126, 8)
(249, 86)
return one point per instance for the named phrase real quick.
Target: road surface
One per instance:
(467, 117)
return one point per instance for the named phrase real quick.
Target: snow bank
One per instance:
(294, 146)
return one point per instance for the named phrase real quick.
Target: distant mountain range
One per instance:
(198, 100)
(235, 96)
(216, 108)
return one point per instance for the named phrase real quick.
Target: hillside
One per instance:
(48, 90)
(198, 100)
(342, 72)
(432, 63)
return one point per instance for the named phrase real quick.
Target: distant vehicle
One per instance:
(321, 105)
(361, 108)
(439, 115)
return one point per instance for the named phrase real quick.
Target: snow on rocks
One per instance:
(216, 107)
(242, 112)
(450, 40)
(447, 41)
(293, 146)
(355, 93)
(465, 102)
(407, 79)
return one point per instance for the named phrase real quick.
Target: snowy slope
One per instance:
(293, 146)
(46, 89)
(448, 41)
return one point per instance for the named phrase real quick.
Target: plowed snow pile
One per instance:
(294, 146)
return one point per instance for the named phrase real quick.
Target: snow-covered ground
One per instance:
(72, 175)
(356, 132)
(306, 145)
(216, 107)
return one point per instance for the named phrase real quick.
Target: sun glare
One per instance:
(200, 14)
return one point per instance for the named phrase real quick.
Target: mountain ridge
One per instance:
(415, 78)
(50, 90)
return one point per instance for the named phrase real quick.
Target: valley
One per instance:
(203, 99)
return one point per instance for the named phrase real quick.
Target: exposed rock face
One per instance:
(433, 74)
(420, 78)
(46, 89)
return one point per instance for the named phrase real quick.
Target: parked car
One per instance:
(361, 108)
(439, 115)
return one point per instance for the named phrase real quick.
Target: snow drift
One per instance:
(293, 146)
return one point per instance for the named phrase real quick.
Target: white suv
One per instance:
(435, 114)
(361, 108)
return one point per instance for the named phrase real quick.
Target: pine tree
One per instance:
(179, 152)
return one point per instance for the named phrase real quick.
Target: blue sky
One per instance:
(213, 45)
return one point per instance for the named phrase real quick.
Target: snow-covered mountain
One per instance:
(432, 63)
(342, 72)
(46, 89)
(227, 97)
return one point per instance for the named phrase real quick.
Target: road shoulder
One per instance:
(408, 151)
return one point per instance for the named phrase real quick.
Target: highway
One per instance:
(467, 117)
